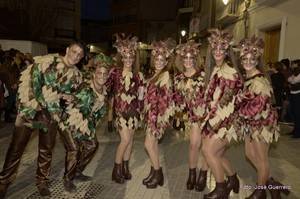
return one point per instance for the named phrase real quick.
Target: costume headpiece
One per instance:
(103, 60)
(164, 48)
(253, 45)
(190, 47)
(126, 45)
(219, 37)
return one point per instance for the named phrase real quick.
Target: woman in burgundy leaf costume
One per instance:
(124, 84)
(223, 83)
(259, 125)
(158, 107)
(189, 97)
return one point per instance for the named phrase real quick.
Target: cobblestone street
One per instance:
(284, 157)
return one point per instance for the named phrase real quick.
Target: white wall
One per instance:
(32, 47)
(265, 15)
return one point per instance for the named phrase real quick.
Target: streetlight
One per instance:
(182, 34)
(225, 2)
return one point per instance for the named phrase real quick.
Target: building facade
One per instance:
(149, 20)
(276, 21)
(55, 23)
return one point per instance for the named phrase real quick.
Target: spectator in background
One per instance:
(286, 71)
(1, 99)
(279, 85)
(294, 81)
(10, 74)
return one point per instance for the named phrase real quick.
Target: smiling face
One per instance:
(100, 75)
(249, 62)
(189, 61)
(74, 54)
(127, 61)
(219, 52)
(160, 62)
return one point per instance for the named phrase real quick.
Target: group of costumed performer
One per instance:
(50, 92)
(221, 105)
(238, 108)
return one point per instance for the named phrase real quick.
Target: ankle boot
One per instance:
(69, 186)
(147, 179)
(125, 170)
(233, 184)
(201, 181)
(191, 182)
(43, 189)
(117, 174)
(273, 188)
(79, 176)
(3, 190)
(157, 179)
(220, 192)
(258, 194)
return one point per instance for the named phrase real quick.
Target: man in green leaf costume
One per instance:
(44, 90)
(80, 120)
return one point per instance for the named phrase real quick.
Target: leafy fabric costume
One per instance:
(42, 86)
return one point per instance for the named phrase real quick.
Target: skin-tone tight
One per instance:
(257, 153)
(195, 143)
(151, 145)
(125, 146)
(214, 151)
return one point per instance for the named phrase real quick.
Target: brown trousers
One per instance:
(20, 139)
(78, 154)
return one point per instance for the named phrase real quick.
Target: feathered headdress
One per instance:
(219, 37)
(190, 47)
(253, 45)
(126, 45)
(164, 48)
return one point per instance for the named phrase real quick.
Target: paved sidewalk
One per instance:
(284, 158)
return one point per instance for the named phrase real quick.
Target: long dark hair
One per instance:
(210, 63)
(168, 67)
(179, 63)
(135, 66)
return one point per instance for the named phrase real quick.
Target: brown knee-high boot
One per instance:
(87, 151)
(46, 144)
(20, 138)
